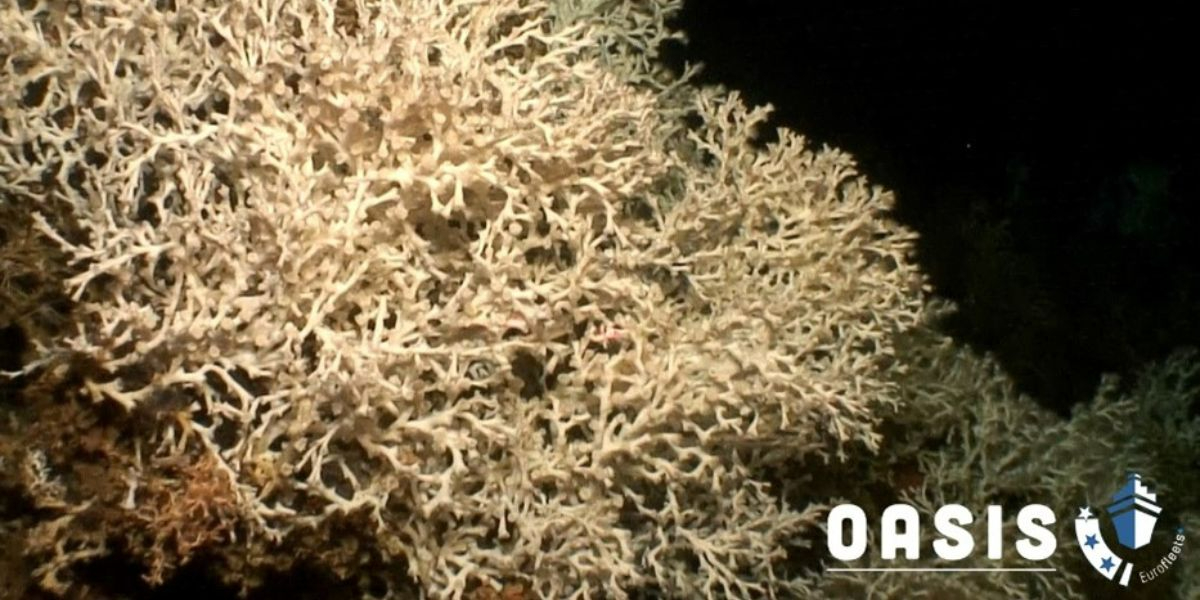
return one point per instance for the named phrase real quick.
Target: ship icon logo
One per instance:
(1134, 513)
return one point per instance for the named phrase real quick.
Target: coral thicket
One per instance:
(474, 299)
(475, 289)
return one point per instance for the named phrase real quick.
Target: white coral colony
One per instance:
(458, 273)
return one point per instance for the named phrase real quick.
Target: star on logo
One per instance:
(1085, 513)
(1091, 541)
(1107, 563)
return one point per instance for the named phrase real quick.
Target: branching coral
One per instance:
(978, 442)
(458, 273)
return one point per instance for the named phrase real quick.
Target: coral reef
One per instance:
(472, 299)
(450, 295)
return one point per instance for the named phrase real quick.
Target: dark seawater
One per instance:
(1048, 157)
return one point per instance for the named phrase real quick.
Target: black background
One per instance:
(1046, 155)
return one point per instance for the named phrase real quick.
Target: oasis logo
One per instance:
(900, 530)
(1134, 512)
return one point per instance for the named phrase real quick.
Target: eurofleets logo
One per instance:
(1134, 512)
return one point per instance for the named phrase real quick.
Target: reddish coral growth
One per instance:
(184, 514)
(510, 591)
